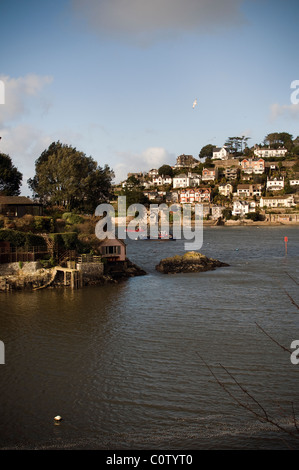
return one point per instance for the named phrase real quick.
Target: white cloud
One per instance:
(148, 20)
(152, 157)
(286, 110)
(19, 95)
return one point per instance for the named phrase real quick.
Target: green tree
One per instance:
(278, 139)
(165, 170)
(67, 177)
(132, 182)
(10, 177)
(134, 196)
(206, 151)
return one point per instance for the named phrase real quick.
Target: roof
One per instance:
(278, 197)
(16, 200)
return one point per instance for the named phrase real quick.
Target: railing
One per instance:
(87, 258)
(15, 254)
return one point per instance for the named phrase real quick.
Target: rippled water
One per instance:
(122, 364)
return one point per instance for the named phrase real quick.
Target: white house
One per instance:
(275, 184)
(242, 208)
(220, 153)
(277, 201)
(181, 181)
(225, 189)
(161, 180)
(294, 182)
(268, 152)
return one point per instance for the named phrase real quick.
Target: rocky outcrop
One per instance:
(191, 262)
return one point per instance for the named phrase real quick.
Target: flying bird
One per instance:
(194, 103)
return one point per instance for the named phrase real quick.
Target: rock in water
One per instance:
(190, 262)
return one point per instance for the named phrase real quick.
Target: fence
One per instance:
(86, 258)
(15, 254)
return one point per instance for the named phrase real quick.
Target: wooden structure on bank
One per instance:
(75, 276)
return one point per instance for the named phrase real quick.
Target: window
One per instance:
(111, 250)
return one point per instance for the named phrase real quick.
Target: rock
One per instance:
(190, 262)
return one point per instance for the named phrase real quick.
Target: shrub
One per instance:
(17, 238)
(72, 219)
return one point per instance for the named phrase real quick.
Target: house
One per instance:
(277, 201)
(209, 174)
(18, 206)
(250, 165)
(231, 173)
(225, 189)
(153, 172)
(220, 153)
(194, 179)
(196, 195)
(268, 152)
(275, 184)
(294, 182)
(113, 249)
(161, 180)
(241, 208)
(181, 181)
(249, 190)
(186, 161)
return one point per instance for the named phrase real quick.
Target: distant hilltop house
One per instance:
(186, 161)
(194, 195)
(153, 172)
(268, 152)
(250, 165)
(221, 153)
(185, 180)
(249, 190)
(277, 201)
(18, 206)
(275, 184)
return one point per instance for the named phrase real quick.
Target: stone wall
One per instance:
(91, 271)
(10, 269)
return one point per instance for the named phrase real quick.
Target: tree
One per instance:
(278, 139)
(134, 195)
(165, 170)
(206, 151)
(132, 182)
(10, 177)
(67, 177)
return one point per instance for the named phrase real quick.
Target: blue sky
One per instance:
(117, 78)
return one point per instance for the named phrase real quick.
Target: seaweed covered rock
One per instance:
(190, 262)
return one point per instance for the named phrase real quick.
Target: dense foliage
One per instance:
(66, 177)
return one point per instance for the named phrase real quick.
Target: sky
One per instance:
(117, 78)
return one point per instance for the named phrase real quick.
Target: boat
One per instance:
(162, 236)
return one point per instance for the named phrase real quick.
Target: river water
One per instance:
(127, 365)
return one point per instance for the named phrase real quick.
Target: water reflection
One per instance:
(120, 364)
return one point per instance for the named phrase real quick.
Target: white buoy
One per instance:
(57, 418)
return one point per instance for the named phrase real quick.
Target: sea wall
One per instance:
(91, 271)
